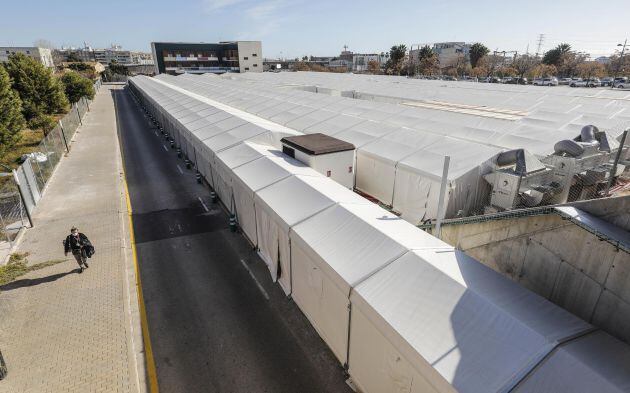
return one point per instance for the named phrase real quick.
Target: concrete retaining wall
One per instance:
(559, 260)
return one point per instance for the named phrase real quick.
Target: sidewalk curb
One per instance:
(140, 340)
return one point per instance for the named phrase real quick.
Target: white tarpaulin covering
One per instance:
(337, 249)
(594, 363)
(283, 205)
(228, 159)
(253, 176)
(440, 319)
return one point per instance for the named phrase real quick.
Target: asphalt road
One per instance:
(217, 322)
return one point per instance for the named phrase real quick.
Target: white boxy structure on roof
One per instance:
(400, 309)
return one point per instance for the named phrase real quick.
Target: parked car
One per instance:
(545, 81)
(607, 81)
(495, 79)
(622, 83)
(508, 80)
(565, 81)
(515, 81)
(593, 82)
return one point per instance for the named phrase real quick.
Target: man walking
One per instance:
(78, 243)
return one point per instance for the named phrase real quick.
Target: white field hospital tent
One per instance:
(286, 203)
(440, 321)
(255, 175)
(403, 310)
(226, 160)
(418, 178)
(337, 249)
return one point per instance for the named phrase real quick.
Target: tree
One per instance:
(427, 61)
(11, 119)
(479, 72)
(542, 71)
(373, 67)
(43, 43)
(591, 69)
(554, 56)
(119, 69)
(569, 63)
(524, 64)
(73, 57)
(619, 66)
(397, 54)
(492, 63)
(77, 86)
(41, 92)
(477, 52)
(456, 66)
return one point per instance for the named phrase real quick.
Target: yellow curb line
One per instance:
(148, 350)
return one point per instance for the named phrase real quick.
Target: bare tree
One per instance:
(43, 43)
(590, 69)
(524, 64)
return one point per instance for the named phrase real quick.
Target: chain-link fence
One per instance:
(21, 189)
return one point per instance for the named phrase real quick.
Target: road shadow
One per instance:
(27, 282)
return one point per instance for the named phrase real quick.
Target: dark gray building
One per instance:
(200, 58)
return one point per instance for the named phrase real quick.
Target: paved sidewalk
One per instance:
(61, 331)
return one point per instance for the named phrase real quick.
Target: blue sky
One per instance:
(298, 27)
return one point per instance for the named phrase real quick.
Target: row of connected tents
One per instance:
(400, 146)
(401, 310)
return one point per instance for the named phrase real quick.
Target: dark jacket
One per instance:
(73, 244)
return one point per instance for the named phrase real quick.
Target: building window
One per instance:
(246, 68)
(255, 65)
(245, 58)
(254, 55)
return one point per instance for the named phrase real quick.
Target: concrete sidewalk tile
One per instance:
(61, 331)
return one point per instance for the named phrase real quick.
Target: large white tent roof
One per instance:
(475, 327)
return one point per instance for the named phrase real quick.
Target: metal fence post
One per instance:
(28, 214)
(613, 170)
(78, 113)
(63, 136)
(440, 216)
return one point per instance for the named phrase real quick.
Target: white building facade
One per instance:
(42, 55)
(360, 61)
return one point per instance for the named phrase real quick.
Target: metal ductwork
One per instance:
(577, 147)
(514, 157)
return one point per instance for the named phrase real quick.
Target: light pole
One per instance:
(623, 49)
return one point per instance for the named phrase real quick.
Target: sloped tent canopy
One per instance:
(285, 204)
(594, 363)
(376, 161)
(335, 250)
(255, 175)
(440, 321)
(419, 176)
(233, 157)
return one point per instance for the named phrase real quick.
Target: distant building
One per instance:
(447, 52)
(114, 53)
(603, 60)
(42, 55)
(360, 61)
(199, 58)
